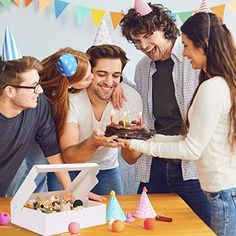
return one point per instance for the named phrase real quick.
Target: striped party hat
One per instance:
(142, 7)
(204, 7)
(9, 49)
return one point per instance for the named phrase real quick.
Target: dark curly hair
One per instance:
(158, 19)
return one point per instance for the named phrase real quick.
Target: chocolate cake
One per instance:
(130, 131)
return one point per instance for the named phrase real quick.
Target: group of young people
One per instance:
(186, 87)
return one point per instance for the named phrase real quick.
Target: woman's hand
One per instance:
(125, 143)
(118, 98)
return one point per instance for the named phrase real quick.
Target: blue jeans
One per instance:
(223, 205)
(108, 180)
(166, 177)
(35, 156)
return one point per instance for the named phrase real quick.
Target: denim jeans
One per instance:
(23, 171)
(166, 177)
(223, 218)
(108, 180)
(34, 156)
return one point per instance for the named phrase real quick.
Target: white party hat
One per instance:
(103, 36)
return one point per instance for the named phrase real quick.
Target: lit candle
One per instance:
(114, 117)
(129, 117)
(112, 113)
(124, 119)
(140, 118)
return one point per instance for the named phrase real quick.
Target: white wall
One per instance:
(40, 34)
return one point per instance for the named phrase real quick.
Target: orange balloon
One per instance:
(149, 223)
(118, 226)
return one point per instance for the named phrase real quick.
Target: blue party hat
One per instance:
(67, 65)
(9, 50)
(114, 210)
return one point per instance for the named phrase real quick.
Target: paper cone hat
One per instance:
(142, 7)
(114, 210)
(103, 36)
(67, 65)
(9, 49)
(144, 208)
(204, 7)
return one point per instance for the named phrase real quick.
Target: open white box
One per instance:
(53, 223)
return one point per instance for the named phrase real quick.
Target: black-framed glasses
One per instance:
(36, 88)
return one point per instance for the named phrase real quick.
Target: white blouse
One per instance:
(207, 141)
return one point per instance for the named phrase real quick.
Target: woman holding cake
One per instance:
(209, 133)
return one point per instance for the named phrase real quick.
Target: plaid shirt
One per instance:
(185, 81)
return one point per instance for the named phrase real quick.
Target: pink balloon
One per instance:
(74, 228)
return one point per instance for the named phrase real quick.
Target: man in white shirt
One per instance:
(90, 111)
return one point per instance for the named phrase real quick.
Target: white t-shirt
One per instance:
(207, 140)
(81, 113)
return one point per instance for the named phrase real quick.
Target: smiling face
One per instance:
(107, 74)
(196, 55)
(154, 45)
(22, 98)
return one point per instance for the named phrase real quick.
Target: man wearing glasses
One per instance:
(25, 115)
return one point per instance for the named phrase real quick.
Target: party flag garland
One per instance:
(116, 16)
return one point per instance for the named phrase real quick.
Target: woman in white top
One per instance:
(209, 133)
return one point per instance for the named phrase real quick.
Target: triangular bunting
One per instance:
(232, 6)
(219, 10)
(27, 2)
(185, 15)
(81, 12)
(116, 18)
(97, 16)
(173, 15)
(6, 4)
(43, 4)
(59, 7)
(17, 2)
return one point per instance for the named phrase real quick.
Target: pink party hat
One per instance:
(103, 36)
(142, 7)
(114, 211)
(204, 7)
(144, 208)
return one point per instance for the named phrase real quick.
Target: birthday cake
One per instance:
(135, 130)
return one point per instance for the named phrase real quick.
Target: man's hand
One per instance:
(95, 197)
(98, 139)
(118, 98)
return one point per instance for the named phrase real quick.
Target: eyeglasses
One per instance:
(36, 88)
